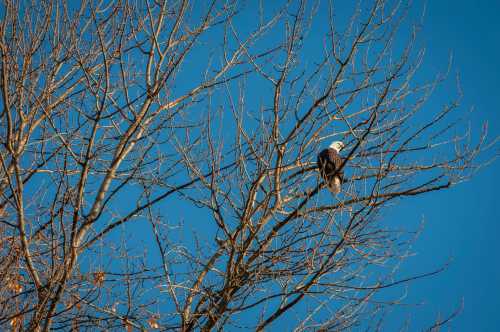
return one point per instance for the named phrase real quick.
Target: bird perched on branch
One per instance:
(329, 164)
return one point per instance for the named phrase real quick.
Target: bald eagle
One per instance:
(329, 163)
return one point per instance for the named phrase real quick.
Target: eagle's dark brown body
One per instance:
(329, 164)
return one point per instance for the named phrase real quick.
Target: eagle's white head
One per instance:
(337, 146)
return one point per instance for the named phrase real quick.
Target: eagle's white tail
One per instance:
(335, 186)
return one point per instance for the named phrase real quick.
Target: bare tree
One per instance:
(158, 162)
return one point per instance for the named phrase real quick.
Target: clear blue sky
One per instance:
(462, 225)
(464, 222)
